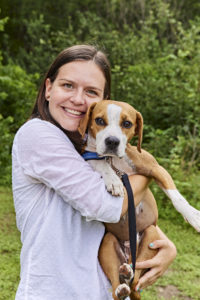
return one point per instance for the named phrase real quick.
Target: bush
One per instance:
(6, 138)
(16, 100)
(155, 67)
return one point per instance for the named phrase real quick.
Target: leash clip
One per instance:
(117, 171)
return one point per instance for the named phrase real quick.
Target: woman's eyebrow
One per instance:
(65, 79)
(94, 88)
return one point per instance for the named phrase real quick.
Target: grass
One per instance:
(9, 247)
(181, 281)
(183, 275)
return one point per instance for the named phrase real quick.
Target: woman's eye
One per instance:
(92, 92)
(100, 122)
(127, 124)
(68, 85)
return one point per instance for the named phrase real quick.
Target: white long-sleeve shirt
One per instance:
(59, 201)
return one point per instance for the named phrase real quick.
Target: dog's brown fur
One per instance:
(141, 162)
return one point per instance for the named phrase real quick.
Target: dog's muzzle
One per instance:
(112, 143)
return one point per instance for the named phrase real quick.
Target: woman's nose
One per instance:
(78, 97)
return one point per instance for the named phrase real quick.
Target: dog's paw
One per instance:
(122, 291)
(116, 190)
(126, 273)
(115, 186)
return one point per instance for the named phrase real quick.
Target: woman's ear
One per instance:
(139, 130)
(48, 86)
(83, 125)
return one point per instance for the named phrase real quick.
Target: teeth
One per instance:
(74, 112)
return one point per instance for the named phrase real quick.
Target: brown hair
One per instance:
(74, 53)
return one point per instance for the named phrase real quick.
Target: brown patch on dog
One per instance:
(84, 123)
(99, 111)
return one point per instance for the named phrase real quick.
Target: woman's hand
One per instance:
(159, 264)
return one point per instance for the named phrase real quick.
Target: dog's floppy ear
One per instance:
(84, 122)
(139, 130)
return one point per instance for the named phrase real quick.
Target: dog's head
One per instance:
(111, 125)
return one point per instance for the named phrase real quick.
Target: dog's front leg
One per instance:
(145, 164)
(165, 181)
(113, 183)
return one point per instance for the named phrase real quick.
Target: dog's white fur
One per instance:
(190, 214)
(113, 129)
(112, 181)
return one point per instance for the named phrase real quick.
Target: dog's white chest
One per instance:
(123, 166)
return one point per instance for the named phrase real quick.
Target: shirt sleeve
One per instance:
(46, 154)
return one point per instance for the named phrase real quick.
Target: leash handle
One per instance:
(131, 219)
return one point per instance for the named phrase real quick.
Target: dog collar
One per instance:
(88, 155)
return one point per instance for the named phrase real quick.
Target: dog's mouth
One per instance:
(111, 146)
(110, 153)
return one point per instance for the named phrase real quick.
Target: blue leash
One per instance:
(131, 220)
(87, 155)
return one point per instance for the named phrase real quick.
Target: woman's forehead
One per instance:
(85, 71)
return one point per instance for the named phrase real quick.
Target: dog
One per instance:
(110, 126)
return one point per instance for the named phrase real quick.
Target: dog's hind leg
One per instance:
(150, 234)
(111, 258)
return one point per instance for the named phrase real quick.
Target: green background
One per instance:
(154, 50)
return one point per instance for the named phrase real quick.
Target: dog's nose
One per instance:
(112, 142)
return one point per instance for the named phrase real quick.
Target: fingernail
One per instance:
(151, 245)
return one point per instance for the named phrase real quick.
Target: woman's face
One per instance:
(77, 85)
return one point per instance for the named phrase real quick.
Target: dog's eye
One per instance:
(127, 124)
(100, 121)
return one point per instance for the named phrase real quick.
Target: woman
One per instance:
(60, 201)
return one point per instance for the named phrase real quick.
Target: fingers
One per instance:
(148, 279)
(158, 264)
(165, 247)
(156, 270)
(167, 250)
(147, 264)
(159, 244)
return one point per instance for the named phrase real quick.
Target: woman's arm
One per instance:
(46, 156)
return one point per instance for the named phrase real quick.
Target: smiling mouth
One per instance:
(73, 112)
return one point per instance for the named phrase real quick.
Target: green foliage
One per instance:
(154, 54)
(154, 50)
(17, 92)
(3, 22)
(9, 247)
(6, 138)
(38, 49)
